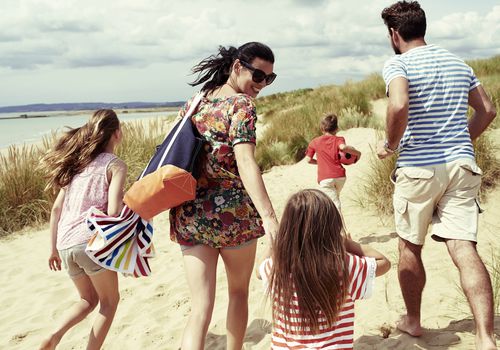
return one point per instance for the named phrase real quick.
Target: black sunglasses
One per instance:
(258, 75)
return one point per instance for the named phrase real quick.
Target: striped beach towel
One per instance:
(122, 243)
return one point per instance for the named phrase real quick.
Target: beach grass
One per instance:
(23, 200)
(377, 188)
(293, 118)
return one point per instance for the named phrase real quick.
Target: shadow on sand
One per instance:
(377, 237)
(256, 331)
(444, 338)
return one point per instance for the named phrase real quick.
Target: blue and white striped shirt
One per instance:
(439, 84)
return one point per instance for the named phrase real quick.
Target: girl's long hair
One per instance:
(78, 147)
(214, 70)
(309, 262)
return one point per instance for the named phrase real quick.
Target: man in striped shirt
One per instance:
(436, 180)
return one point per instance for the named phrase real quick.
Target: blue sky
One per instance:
(114, 51)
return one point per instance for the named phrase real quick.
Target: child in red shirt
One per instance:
(331, 173)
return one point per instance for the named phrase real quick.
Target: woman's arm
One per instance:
(55, 215)
(383, 264)
(117, 173)
(254, 185)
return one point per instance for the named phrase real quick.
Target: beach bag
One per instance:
(169, 178)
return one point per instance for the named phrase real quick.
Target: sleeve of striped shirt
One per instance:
(474, 83)
(361, 276)
(265, 272)
(393, 68)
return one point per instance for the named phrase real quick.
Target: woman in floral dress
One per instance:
(232, 208)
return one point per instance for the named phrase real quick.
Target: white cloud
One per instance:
(315, 42)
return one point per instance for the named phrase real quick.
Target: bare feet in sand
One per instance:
(49, 344)
(413, 328)
(485, 343)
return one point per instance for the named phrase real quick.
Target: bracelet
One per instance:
(389, 149)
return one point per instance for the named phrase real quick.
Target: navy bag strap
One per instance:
(182, 153)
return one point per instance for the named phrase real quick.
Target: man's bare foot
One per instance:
(413, 328)
(49, 344)
(485, 344)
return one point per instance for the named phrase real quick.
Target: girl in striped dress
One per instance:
(84, 169)
(315, 274)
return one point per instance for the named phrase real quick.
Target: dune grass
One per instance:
(293, 118)
(377, 189)
(488, 72)
(23, 201)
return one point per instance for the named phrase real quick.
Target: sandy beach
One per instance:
(153, 311)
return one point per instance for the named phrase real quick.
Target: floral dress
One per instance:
(222, 214)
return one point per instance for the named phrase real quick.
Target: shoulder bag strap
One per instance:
(187, 116)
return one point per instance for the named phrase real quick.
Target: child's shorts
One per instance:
(76, 261)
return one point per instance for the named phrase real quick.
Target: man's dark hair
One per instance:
(407, 18)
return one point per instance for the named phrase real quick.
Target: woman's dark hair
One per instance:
(214, 70)
(407, 18)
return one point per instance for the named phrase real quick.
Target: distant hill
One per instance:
(46, 107)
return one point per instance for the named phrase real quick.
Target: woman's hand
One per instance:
(55, 261)
(271, 227)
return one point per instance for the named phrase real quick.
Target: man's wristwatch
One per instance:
(389, 149)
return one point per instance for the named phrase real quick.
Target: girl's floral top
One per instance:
(222, 215)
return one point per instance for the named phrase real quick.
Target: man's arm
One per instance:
(484, 112)
(397, 116)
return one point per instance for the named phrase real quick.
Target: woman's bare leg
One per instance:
(200, 264)
(239, 265)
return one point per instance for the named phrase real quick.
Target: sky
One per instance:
(54, 51)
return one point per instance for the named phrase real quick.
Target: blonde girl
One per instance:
(82, 166)
(315, 274)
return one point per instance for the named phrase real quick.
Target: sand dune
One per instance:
(153, 311)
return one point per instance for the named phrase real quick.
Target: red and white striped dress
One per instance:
(337, 336)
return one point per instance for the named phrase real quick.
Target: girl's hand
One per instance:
(55, 261)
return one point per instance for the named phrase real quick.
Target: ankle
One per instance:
(485, 340)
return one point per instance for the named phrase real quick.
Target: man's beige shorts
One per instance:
(444, 194)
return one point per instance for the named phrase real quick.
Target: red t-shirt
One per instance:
(326, 148)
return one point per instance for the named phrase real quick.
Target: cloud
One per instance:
(314, 41)
(469, 34)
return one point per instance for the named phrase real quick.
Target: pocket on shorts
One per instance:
(400, 205)
(472, 168)
(417, 173)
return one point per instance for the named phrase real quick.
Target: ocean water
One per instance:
(26, 130)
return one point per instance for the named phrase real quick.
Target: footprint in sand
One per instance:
(442, 339)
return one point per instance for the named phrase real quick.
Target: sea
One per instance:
(16, 131)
